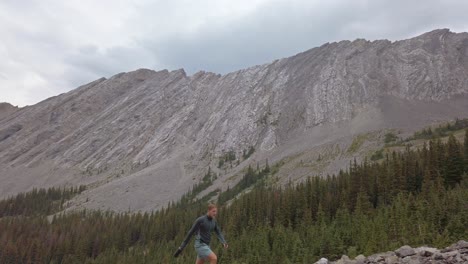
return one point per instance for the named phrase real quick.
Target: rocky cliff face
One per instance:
(146, 136)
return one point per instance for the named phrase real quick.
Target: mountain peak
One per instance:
(5, 105)
(440, 31)
(6, 109)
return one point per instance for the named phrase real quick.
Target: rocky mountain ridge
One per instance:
(143, 138)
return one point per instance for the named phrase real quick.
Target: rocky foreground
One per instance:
(456, 253)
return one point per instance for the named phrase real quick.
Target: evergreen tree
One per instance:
(267, 167)
(454, 162)
(465, 144)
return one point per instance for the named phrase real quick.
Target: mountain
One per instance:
(143, 138)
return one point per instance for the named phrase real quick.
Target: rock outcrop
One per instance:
(456, 253)
(6, 109)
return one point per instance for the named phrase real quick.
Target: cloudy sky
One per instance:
(48, 47)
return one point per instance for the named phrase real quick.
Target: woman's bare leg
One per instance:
(199, 261)
(212, 258)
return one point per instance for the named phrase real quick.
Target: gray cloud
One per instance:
(90, 63)
(278, 29)
(50, 46)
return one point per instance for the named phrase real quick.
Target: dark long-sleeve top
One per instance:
(203, 227)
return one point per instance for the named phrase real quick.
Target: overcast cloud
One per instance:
(48, 47)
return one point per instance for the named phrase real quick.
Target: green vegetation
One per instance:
(230, 156)
(206, 181)
(465, 148)
(276, 167)
(441, 130)
(416, 197)
(250, 178)
(357, 143)
(377, 155)
(390, 137)
(247, 154)
(38, 202)
(220, 163)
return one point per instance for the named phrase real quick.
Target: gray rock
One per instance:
(438, 256)
(322, 261)
(392, 260)
(345, 260)
(405, 251)
(459, 259)
(451, 256)
(461, 244)
(411, 260)
(377, 258)
(360, 259)
(426, 251)
(464, 258)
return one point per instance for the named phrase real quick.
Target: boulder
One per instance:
(392, 260)
(345, 260)
(412, 260)
(361, 259)
(376, 258)
(322, 261)
(426, 251)
(438, 256)
(405, 251)
(451, 257)
(461, 244)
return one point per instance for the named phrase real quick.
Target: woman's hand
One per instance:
(177, 253)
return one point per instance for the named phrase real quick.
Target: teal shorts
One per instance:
(203, 250)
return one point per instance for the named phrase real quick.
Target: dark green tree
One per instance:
(465, 144)
(454, 162)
